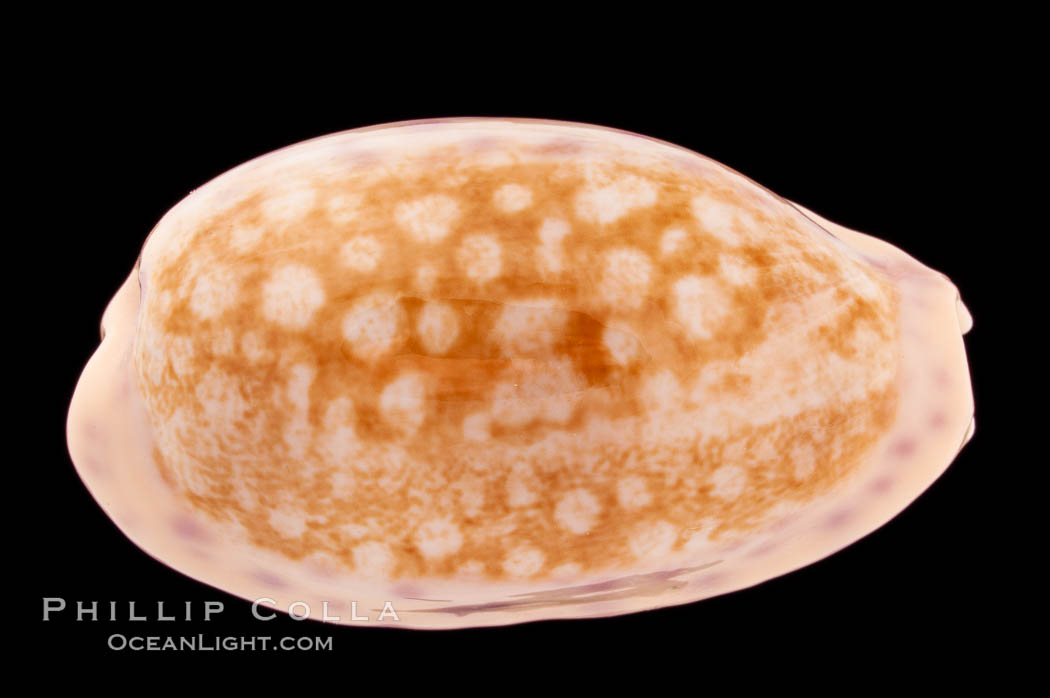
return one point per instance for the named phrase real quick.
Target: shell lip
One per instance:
(965, 317)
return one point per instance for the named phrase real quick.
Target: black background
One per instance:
(897, 153)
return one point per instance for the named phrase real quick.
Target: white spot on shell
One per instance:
(287, 206)
(729, 482)
(480, 257)
(438, 538)
(471, 568)
(519, 491)
(218, 396)
(426, 276)
(671, 241)
(623, 347)
(244, 237)
(429, 218)
(577, 511)
(288, 524)
(297, 433)
(553, 231)
(510, 408)
(558, 409)
(291, 296)
(476, 427)
(529, 328)
(549, 254)
(736, 271)
(181, 354)
(354, 531)
(662, 392)
(224, 343)
(361, 253)
(512, 198)
(402, 402)
(373, 559)
(567, 570)
(215, 291)
(699, 305)
(653, 540)
(698, 539)
(301, 376)
(471, 494)
(253, 348)
(633, 493)
(523, 562)
(803, 458)
(344, 208)
(373, 326)
(625, 278)
(607, 203)
(552, 392)
(339, 438)
(438, 327)
(722, 220)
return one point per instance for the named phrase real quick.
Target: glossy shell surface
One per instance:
(486, 371)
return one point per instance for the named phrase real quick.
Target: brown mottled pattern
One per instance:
(580, 417)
